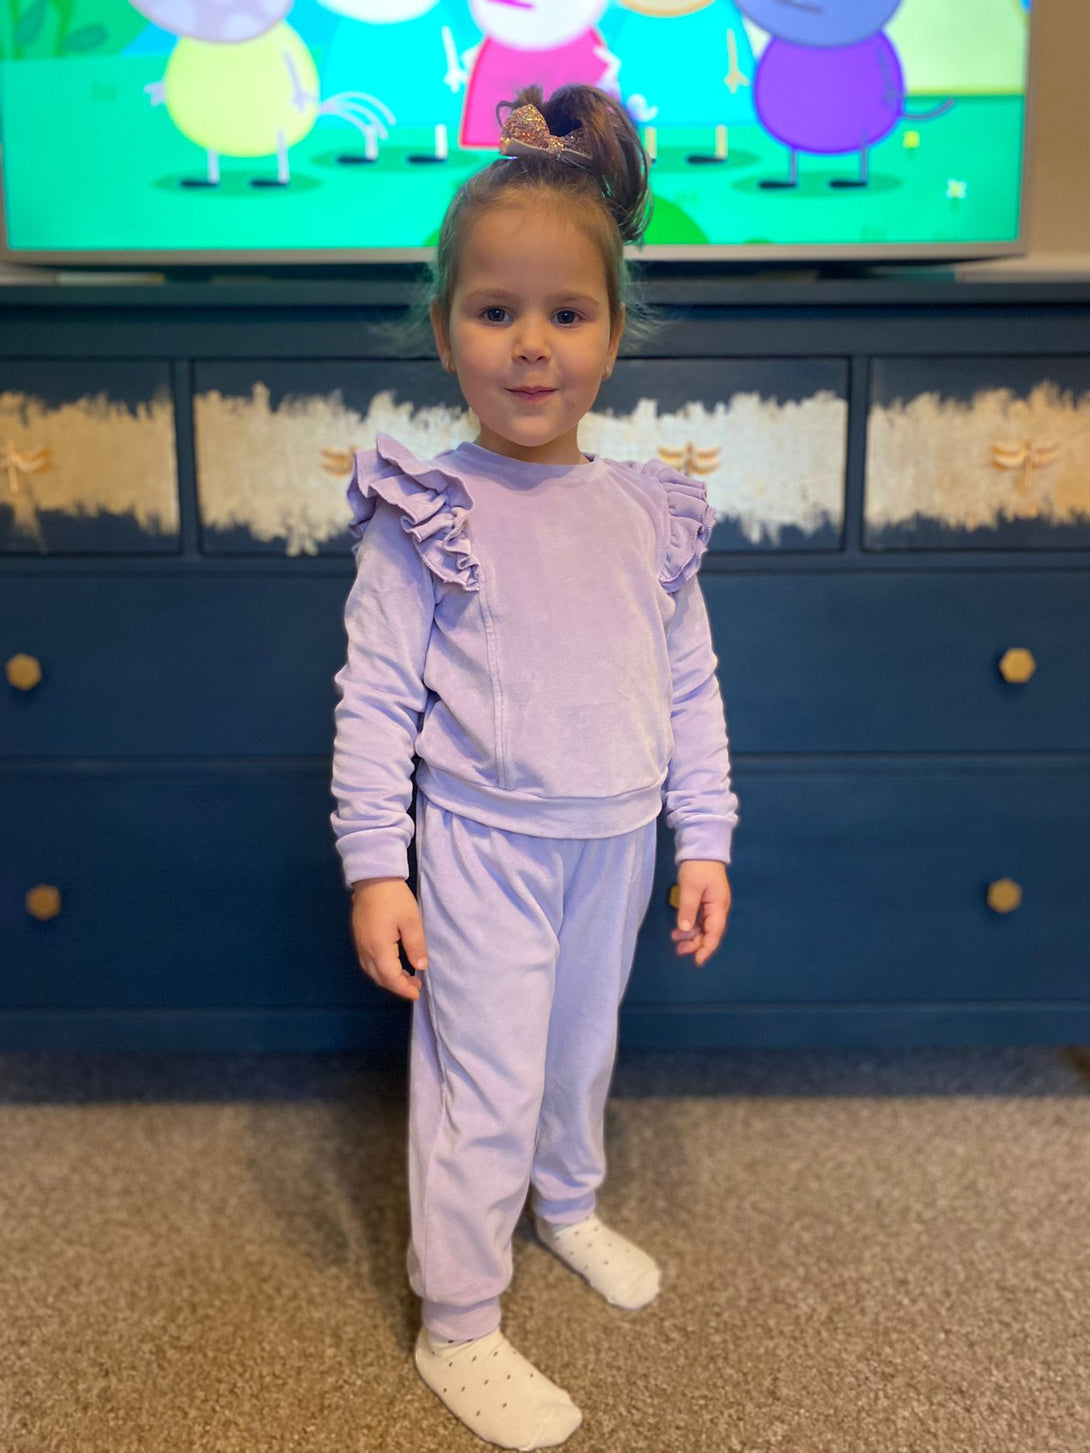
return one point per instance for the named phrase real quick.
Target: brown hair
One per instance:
(608, 197)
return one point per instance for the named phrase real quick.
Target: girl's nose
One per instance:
(532, 341)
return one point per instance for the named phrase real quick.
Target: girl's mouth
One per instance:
(531, 393)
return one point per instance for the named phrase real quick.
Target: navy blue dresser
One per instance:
(899, 596)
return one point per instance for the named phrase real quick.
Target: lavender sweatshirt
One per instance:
(536, 635)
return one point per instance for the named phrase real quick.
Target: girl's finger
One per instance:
(708, 947)
(388, 974)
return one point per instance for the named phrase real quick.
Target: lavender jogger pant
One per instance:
(530, 944)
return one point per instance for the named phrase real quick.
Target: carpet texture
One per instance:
(862, 1252)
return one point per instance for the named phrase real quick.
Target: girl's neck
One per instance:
(529, 471)
(565, 458)
(563, 450)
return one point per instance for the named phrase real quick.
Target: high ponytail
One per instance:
(618, 161)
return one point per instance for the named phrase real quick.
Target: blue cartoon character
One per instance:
(241, 82)
(829, 80)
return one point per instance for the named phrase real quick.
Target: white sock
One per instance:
(495, 1391)
(625, 1275)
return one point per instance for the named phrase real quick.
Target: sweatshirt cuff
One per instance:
(373, 854)
(708, 841)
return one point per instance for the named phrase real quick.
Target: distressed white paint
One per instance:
(779, 464)
(938, 457)
(262, 468)
(101, 457)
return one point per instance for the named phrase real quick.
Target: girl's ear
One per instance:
(440, 333)
(614, 342)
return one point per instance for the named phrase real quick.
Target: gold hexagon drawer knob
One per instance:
(23, 671)
(1004, 895)
(1017, 664)
(43, 901)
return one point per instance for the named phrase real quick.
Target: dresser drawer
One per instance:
(978, 453)
(87, 457)
(808, 663)
(275, 438)
(870, 885)
(191, 887)
(768, 436)
(170, 666)
(179, 887)
(885, 661)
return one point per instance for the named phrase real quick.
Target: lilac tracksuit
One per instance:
(536, 636)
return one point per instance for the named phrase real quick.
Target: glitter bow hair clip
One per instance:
(526, 133)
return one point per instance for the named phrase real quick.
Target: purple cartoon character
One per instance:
(829, 81)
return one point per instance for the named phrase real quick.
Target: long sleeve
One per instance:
(388, 620)
(701, 809)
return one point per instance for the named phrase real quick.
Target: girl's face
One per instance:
(530, 336)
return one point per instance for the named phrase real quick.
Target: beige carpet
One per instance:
(862, 1252)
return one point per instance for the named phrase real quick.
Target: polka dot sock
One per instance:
(495, 1391)
(621, 1272)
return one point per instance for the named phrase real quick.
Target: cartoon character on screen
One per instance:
(830, 80)
(410, 53)
(240, 82)
(532, 42)
(686, 63)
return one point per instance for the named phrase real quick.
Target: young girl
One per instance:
(526, 620)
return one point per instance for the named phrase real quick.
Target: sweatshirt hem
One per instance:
(524, 812)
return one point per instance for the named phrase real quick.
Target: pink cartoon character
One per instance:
(531, 42)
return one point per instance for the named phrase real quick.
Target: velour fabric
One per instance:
(514, 1039)
(533, 639)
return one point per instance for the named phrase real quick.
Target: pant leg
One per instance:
(491, 904)
(605, 902)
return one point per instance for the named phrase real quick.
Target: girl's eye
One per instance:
(565, 316)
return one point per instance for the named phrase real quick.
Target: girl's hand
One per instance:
(703, 904)
(384, 911)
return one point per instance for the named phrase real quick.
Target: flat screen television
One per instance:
(335, 131)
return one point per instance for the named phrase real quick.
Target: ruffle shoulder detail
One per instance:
(434, 502)
(690, 521)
